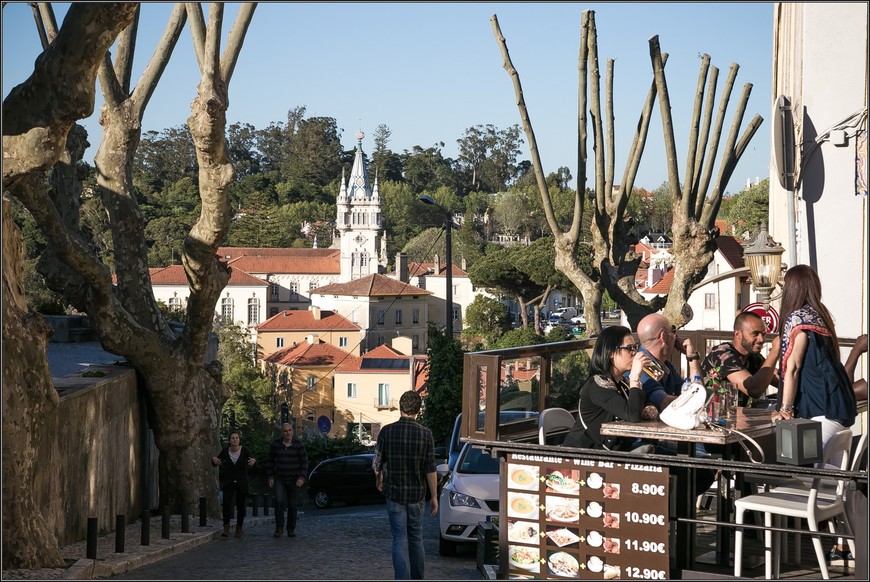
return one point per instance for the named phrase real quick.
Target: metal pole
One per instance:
(164, 525)
(146, 528)
(203, 512)
(119, 533)
(448, 226)
(91, 552)
(185, 518)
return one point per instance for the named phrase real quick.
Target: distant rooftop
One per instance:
(68, 358)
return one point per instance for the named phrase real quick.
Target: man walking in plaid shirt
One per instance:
(404, 465)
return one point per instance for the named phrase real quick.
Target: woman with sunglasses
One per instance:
(606, 396)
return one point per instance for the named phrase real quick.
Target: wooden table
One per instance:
(754, 423)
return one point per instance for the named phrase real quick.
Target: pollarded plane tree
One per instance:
(614, 263)
(37, 118)
(183, 396)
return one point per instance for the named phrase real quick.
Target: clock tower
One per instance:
(358, 220)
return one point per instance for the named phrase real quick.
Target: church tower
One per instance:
(358, 220)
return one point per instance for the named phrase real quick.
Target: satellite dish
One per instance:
(783, 142)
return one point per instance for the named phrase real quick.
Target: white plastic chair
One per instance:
(799, 503)
(553, 419)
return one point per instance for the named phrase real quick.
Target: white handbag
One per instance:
(688, 410)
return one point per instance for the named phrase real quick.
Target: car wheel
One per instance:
(446, 547)
(322, 499)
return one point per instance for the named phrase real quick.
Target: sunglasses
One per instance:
(629, 347)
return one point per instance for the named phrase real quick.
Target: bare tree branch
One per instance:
(126, 50)
(197, 30)
(235, 40)
(159, 59)
(691, 151)
(667, 121)
(609, 140)
(717, 130)
(212, 65)
(704, 137)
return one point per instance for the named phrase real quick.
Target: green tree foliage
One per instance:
(164, 158)
(487, 315)
(444, 399)
(487, 157)
(427, 169)
(319, 447)
(520, 336)
(748, 208)
(569, 374)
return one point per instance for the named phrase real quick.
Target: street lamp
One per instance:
(763, 256)
(448, 225)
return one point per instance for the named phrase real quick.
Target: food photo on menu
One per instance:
(563, 564)
(564, 481)
(525, 558)
(523, 505)
(611, 545)
(611, 491)
(594, 539)
(611, 520)
(594, 480)
(523, 477)
(523, 531)
(562, 509)
(562, 536)
(594, 509)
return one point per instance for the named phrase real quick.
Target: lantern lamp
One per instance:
(799, 441)
(763, 256)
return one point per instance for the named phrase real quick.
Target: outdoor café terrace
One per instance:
(663, 523)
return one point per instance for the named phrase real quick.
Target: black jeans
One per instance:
(285, 497)
(234, 492)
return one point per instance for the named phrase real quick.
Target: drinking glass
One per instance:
(731, 399)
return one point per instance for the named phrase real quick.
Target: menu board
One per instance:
(587, 519)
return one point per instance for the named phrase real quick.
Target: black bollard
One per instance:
(265, 504)
(120, 526)
(203, 512)
(254, 499)
(92, 539)
(164, 530)
(146, 528)
(185, 518)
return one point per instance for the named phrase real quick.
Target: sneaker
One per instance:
(836, 557)
(279, 531)
(292, 534)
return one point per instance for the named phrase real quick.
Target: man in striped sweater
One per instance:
(287, 468)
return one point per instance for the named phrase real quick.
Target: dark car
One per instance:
(349, 479)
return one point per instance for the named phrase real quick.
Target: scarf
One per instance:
(804, 319)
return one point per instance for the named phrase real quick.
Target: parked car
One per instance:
(349, 479)
(454, 447)
(470, 495)
(564, 314)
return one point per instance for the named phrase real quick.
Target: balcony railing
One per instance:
(390, 404)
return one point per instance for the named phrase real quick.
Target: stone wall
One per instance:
(90, 460)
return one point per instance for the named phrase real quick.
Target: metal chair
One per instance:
(813, 504)
(551, 420)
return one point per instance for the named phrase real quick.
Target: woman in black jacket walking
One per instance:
(234, 461)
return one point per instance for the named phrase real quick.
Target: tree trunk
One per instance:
(28, 395)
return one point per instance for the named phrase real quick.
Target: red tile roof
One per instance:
(174, 275)
(731, 250)
(371, 286)
(663, 287)
(428, 269)
(310, 355)
(299, 320)
(382, 352)
(320, 265)
(227, 253)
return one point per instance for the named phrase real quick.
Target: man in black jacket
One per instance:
(287, 467)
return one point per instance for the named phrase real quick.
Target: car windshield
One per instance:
(478, 462)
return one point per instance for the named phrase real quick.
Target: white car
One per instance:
(470, 496)
(578, 319)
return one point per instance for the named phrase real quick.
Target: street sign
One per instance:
(324, 424)
(769, 315)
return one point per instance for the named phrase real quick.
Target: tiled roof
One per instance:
(731, 250)
(174, 275)
(320, 265)
(382, 352)
(428, 269)
(663, 287)
(310, 355)
(299, 320)
(228, 253)
(371, 286)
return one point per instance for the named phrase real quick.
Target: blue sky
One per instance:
(429, 71)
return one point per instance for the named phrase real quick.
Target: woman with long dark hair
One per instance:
(606, 395)
(234, 461)
(813, 382)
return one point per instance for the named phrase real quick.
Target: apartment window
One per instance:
(273, 290)
(174, 303)
(294, 291)
(279, 342)
(354, 316)
(312, 382)
(351, 389)
(309, 415)
(342, 342)
(415, 316)
(455, 290)
(383, 394)
(398, 317)
(227, 310)
(455, 314)
(380, 340)
(709, 301)
(416, 342)
(312, 285)
(253, 311)
(381, 314)
(364, 260)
